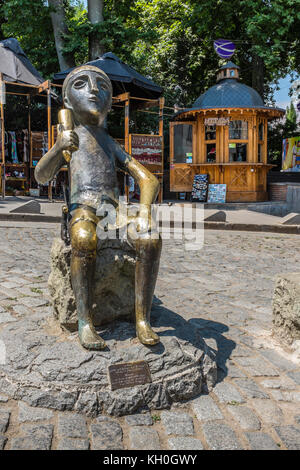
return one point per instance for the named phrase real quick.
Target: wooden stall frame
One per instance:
(34, 90)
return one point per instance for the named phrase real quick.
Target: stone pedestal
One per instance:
(47, 367)
(286, 308)
(114, 284)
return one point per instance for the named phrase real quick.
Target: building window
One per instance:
(232, 74)
(210, 132)
(211, 153)
(238, 130)
(237, 152)
(183, 143)
(261, 131)
(260, 153)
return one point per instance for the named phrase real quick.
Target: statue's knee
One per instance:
(83, 238)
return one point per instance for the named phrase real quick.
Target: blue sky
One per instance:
(281, 96)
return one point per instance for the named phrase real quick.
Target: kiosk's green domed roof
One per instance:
(229, 92)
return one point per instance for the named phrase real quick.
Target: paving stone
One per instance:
(257, 367)
(220, 436)
(3, 441)
(290, 435)
(281, 395)
(233, 371)
(261, 441)
(143, 438)
(106, 434)
(33, 301)
(28, 413)
(278, 360)
(295, 376)
(33, 437)
(297, 419)
(279, 383)
(4, 420)
(6, 317)
(247, 420)
(206, 409)
(73, 444)
(177, 423)
(139, 420)
(250, 389)
(21, 310)
(268, 411)
(72, 425)
(227, 393)
(184, 443)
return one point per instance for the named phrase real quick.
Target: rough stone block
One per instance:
(177, 423)
(286, 308)
(185, 443)
(114, 283)
(143, 439)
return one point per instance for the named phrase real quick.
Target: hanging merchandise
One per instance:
(199, 190)
(224, 48)
(13, 141)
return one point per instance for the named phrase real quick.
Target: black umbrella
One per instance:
(124, 78)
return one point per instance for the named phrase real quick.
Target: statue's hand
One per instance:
(143, 221)
(68, 140)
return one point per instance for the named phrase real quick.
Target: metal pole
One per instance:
(127, 111)
(3, 145)
(49, 132)
(161, 133)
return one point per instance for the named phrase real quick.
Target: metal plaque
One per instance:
(129, 374)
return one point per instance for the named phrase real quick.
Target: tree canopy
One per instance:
(169, 40)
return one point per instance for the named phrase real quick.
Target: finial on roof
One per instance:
(229, 70)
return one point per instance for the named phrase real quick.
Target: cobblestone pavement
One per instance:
(225, 290)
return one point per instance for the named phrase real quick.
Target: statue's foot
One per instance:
(89, 338)
(145, 333)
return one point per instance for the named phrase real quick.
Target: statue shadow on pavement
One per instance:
(209, 330)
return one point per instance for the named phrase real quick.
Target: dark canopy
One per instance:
(15, 65)
(124, 78)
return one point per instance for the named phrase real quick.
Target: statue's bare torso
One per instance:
(93, 168)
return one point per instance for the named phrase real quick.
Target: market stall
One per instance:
(18, 77)
(224, 136)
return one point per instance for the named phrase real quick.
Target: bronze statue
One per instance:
(93, 158)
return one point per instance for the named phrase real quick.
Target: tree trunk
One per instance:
(95, 16)
(58, 18)
(258, 70)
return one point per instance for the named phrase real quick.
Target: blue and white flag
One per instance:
(224, 48)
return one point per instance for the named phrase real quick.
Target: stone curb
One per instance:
(275, 228)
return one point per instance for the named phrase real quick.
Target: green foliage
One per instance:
(29, 22)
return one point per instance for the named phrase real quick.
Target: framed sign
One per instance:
(147, 149)
(216, 193)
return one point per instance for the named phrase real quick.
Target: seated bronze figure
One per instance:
(93, 158)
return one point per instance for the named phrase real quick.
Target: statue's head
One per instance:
(87, 91)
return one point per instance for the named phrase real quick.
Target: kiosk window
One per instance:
(183, 142)
(237, 152)
(211, 153)
(238, 130)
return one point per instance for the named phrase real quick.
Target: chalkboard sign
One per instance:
(147, 149)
